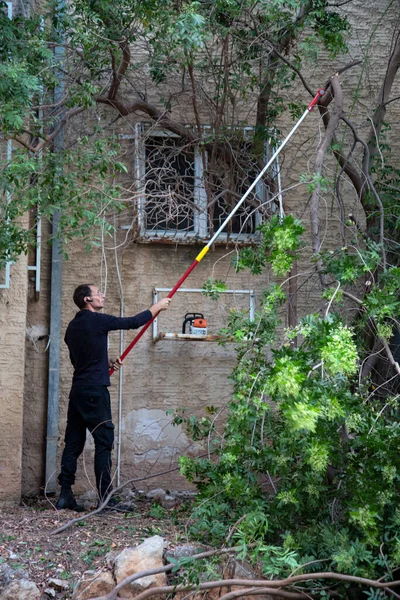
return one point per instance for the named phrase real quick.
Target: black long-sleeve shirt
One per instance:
(86, 338)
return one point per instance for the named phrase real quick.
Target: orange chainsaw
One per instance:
(197, 324)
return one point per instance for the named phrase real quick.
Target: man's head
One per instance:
(88, 296)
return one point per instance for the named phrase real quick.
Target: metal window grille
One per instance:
(171, 180)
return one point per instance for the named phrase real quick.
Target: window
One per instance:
(186, 195)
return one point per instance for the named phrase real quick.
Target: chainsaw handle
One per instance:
(195, 315)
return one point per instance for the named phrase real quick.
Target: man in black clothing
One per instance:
(89, 399)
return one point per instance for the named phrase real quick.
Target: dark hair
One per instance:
(80, 293)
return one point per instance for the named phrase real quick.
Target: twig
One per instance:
(258, 592)
(372, 188)
(110, 495)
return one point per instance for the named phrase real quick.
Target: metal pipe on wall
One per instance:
(55, 306)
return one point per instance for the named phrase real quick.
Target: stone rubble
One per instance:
(93, 584)
(118, 565)
(148, 555)
(22, 589)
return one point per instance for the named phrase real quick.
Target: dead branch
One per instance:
(207, 554)
(109, 496)
(276, 584)
(318, 165)
(259, 591)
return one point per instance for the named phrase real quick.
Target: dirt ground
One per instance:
(30, 549)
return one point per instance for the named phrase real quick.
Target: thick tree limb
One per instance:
(370, 183)
(118, 74)
(383, 99)
(318, 165)
(350, 171)
(154, 113)
(286, 40)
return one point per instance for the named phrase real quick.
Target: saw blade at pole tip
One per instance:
(317, 97)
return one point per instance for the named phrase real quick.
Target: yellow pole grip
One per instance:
(202, 254)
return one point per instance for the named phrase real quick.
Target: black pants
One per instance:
(89, 408)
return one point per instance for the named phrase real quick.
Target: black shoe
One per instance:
(116, 506)
(67, 500)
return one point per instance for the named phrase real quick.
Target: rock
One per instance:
(110, 559)
(183, 551)
(58, 584)
(168, 501)
(93, 585)
(50, 592)
(88, 499)
(242, 570)
(6, 574)
(89, 496)
(156, 494)
(163, 498)
(23, 589)
(147, 555)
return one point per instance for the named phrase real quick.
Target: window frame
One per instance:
(200, 231)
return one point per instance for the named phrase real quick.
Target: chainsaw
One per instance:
(197, 324)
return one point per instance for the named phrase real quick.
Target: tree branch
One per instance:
(150, 110)
(383, 97)
(371, 186)
(275, 584)
(118, 74)
(318, 165)
(49, 138)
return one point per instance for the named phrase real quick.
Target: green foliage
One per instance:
(156, 512)
(308, 468)
(315, 180)
(213, 288)
(76, 182)
(279, 247)
(348, 264)
(64, 61)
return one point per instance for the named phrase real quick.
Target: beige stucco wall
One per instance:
(13, 304)
(36, 373)
(163, 375)
(166, 375)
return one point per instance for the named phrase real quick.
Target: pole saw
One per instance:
(206, 248)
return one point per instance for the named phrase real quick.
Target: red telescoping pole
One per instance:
(206, 248)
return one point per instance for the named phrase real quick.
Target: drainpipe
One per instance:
(54, 360)
(55, 309)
